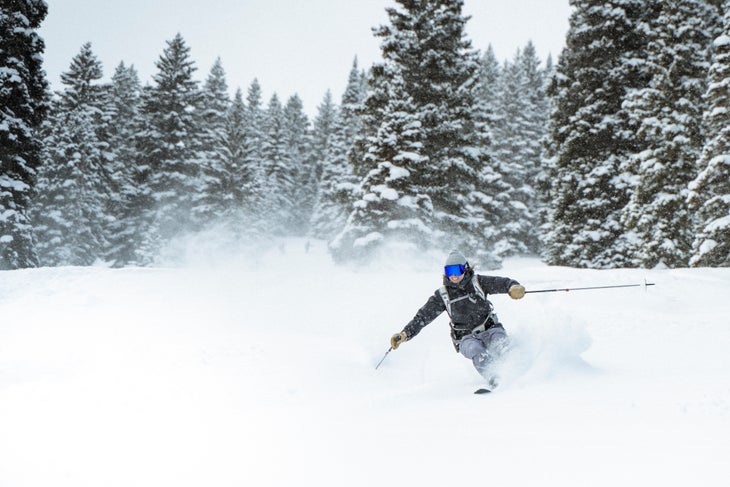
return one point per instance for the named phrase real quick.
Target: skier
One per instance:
(475, 330)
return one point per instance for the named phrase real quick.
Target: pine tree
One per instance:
(234, 156)
(547, 170)
(518, 129)
(709, 195)
(490, 82)
(356, 118)
(298, 144)
(252, 175)
(70, 210)
(358, 129)
(534, 134)
(668, 113)
(489, 77)
(497, 200)
(216, 165)
(323, 129)
(169, 150)
(429, 64)
(589, 132)
(337, 132)
(389, 195)
(125, 122)
(23, 105)
(323, 138)
(215, 103)
(279, 175)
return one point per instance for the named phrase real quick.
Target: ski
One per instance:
(493, 384)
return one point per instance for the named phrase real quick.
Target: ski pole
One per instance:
(382, 359)
(591, 287)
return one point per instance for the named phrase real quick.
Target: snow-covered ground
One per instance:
(260, 372)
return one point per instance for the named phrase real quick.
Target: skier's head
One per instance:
(455, 266)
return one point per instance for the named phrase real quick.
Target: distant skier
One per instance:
(475, 330)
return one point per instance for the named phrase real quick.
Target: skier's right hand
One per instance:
(397, 339)
(517, 291)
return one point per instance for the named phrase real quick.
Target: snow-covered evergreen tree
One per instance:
(589, 132)
(391, 205)
(535, 132)
(435, 172)
(279, 172)
(361, 125)
(74, 183)
(323, 139)
(23, 104)
(216, 166)
(125, 95)
(668, 114)
(518, 129)
(252, 175)
(547, 170)
(126, 91)
(169, 149)
(337, 131)
(323, 128)
(298, 143)
(357, 131)
(232, 152)
(709, 195)
(490, 73)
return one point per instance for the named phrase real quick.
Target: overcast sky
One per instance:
(291, 46)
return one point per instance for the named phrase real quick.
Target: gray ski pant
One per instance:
(483, 348)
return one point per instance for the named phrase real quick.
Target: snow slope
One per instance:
(260, 371)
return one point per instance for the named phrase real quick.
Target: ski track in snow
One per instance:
(261, 372)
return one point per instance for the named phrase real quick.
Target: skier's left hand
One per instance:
(517, 291)
(397, 339)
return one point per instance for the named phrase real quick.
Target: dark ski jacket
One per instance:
(468, 312)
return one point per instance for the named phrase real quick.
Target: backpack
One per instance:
(447, 300)
(488, 322)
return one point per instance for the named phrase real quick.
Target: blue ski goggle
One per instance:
(454, 270)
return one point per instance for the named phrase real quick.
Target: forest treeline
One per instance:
(617, 155)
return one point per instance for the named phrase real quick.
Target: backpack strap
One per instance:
(447, 300)
(478, 287)
(445, 297)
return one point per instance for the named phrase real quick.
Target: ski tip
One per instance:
(482, 391)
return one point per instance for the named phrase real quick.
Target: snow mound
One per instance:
(543, 352)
